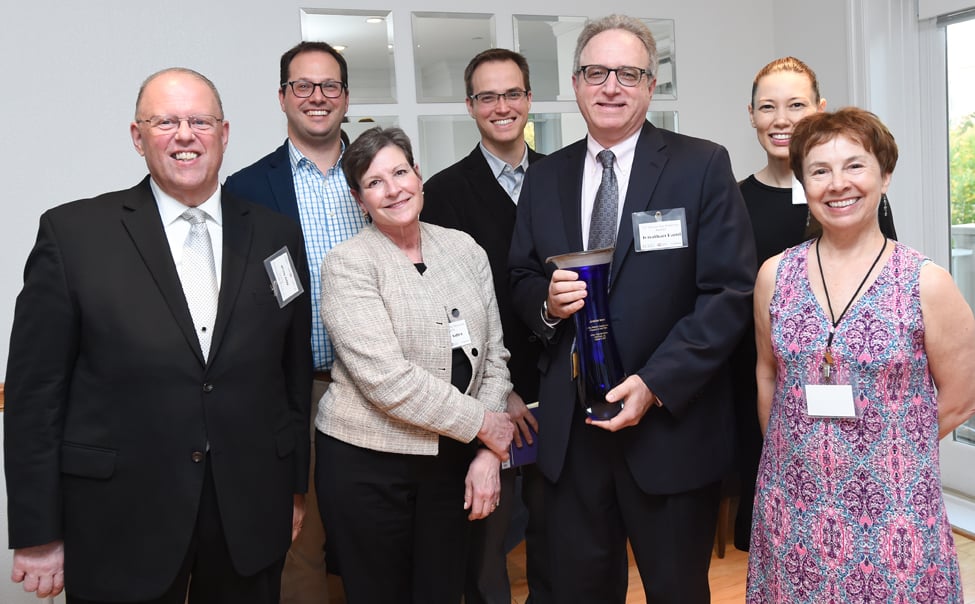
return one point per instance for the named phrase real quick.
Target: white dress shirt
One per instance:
(593, 175)
(177, 229)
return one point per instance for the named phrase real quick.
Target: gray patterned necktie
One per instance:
(602, 225)
(199, 278)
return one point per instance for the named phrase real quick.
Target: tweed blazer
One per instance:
(389, 324)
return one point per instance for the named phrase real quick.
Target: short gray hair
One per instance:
(631, 24)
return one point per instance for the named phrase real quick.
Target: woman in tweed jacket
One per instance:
(411, 432)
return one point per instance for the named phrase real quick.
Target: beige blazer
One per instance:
(389, 325)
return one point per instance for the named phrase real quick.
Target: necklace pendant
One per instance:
(826, 368)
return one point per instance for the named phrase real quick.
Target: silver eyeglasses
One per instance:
(626, 76)
(490, 98)
(304, 89)
(168, 123)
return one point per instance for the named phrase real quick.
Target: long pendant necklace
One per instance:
(826, 368)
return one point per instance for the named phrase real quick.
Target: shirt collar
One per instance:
(624, 150)
(298, 158)
(498, 165)
(170, 209)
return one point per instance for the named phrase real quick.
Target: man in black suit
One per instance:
(303, 179)
(477, 195)
(679, 297)
(158, 382)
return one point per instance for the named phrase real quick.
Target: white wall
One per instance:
(71, 72)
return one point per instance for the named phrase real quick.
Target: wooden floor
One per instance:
(727, 575)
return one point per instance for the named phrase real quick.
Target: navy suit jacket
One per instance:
(676, 314)
(111, 407)
(268, 182)
(466, 196)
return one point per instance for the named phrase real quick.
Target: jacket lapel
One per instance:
(570, 192)
(649, 160)
(142, 221)
(281, 181)
(237, 231)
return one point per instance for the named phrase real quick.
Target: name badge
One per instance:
(659, 230)
(459, 336)
(284, 279)
(829, 400)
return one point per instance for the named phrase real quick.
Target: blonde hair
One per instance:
(787, 64)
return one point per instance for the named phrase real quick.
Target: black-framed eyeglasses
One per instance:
(169, 123)
(304, 89)
(626, 76)
(490, 98)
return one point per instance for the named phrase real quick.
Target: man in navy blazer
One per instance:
(651, 474)
(477, 195)
(151, 445)
(303, 179)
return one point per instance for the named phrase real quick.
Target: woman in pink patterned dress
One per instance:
(854, 331)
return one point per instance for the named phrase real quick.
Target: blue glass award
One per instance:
(599, 366)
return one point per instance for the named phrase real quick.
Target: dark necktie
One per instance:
(602, 225)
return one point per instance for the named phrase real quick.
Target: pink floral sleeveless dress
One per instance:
(850, 510)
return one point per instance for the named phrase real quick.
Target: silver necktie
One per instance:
(602, 225)
(199, 278)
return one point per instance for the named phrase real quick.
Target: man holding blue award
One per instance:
(647, 467)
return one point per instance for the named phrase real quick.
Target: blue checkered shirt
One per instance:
(329, 216)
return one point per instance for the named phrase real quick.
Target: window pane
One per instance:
(548, 43)
(365, 39)
(354, 126)
(961, 143)
(445, 139)
(443, 44)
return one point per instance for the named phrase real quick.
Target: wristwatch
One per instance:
(546, 317)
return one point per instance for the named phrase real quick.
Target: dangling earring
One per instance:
(885, 204)
(808, 214)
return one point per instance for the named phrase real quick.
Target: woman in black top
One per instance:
(783, 92)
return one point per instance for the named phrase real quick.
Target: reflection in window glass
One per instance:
(445, 139)
(961, 144)
(443, 44)
(548, 44)
(365, 39)
(354, 126)
(663, 33)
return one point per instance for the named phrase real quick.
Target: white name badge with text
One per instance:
(459, 336)
(284, 280)
(659, 230)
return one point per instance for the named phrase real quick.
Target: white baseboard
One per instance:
(961, 512)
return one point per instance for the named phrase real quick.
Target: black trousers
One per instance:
(596, 506)
(396, 523)
(207, 575)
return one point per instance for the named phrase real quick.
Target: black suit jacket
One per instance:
(110, 406)
(676, 314)
(268, 182)
(466, 196)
